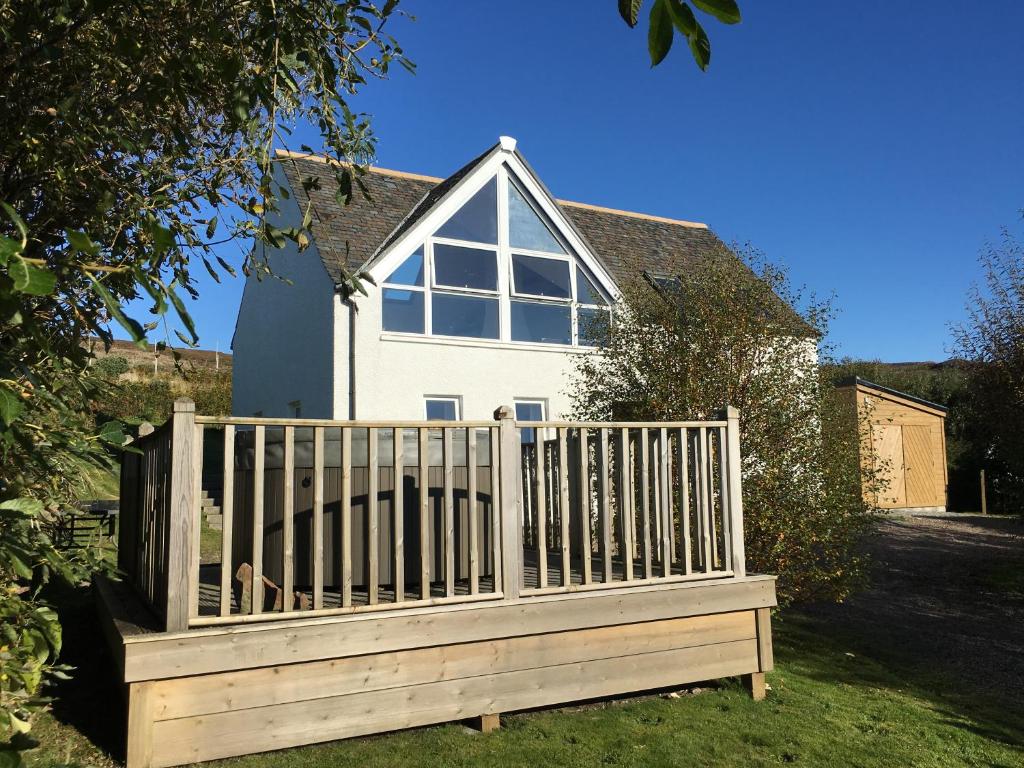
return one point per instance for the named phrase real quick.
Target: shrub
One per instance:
(714, 336)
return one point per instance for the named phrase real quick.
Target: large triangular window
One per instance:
(461, 283)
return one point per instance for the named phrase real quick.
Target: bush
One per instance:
(714, 336)
(111, 367)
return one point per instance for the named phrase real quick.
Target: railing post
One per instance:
(508, 505)
(181, 515)
(734, 471)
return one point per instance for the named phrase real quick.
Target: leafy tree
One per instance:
(136, 144)
(992, 340)
(716, 335)
(670, 16)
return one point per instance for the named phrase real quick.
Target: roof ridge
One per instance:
(437, 180)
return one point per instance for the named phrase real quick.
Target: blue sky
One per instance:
(872, 148)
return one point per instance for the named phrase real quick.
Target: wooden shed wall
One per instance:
(908, 446)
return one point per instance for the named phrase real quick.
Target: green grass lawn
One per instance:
(829, 705)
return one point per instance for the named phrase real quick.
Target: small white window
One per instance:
(295, 406)
(443, 408)
(530, 410)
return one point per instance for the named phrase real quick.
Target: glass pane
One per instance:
(593, 326)
(458, 267)
(586, 291)
(547, 323)
(526, 230)
(541, 277)
(410, 271)
(529, 412)
(403, 311)
(473, 316)
(442, 409)
(477, 220)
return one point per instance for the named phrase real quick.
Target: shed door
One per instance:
(888, 445)
(920, 466)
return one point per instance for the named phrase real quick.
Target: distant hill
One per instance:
(161, 361)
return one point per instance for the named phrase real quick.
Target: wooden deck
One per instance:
(224, 691)
(605, 559)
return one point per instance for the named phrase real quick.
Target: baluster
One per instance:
(346, 517)
(449, 514)
(586, 548)
(228, 513)
(398, 513)
(474, 533)
(645, 490)
(606, 515)
(288, 522)
(625, 507)
(704, 517)
(495, 433)
(318, 518)
(256, 591)
(684, 500)
(541, 530)
(424, 506)
(563, 505)
(373, 514)
(665, 488)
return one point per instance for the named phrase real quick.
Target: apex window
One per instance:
(499, 270)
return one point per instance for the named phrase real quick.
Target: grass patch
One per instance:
(831, 704)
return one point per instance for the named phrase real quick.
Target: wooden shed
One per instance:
(906, 444)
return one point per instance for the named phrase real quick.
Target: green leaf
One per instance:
(30, 279)
(17, 221)
(226, 267)
(726, 11)
(186, 318)
(629, 10)
(28, 506)
(659, 34)
(211, 227)
(10, 406)
(9, 247)
(81, 242)
(114, 308)
(112, 432)
(684, 20)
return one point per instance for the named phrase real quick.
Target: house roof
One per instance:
(349, 236)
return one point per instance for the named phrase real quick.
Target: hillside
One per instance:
(143, 385)
(161, 360)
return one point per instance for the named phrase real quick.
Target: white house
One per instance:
(486, 287)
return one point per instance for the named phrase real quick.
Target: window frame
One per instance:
(455, 399)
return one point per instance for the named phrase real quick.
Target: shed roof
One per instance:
(912, 400)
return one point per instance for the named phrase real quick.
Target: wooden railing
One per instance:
(234, 520)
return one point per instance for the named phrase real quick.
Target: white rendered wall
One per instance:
(394, 374)
(284, 336)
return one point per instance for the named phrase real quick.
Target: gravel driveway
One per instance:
(947, 598)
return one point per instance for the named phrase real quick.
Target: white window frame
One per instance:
(456, 399)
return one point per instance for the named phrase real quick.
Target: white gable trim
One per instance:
(503, 159)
